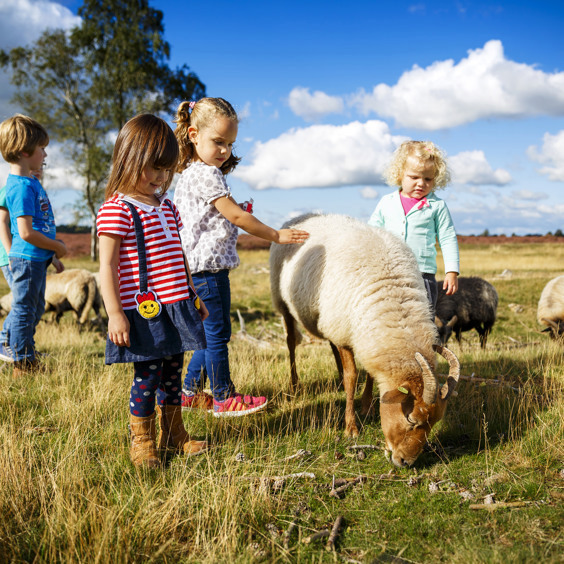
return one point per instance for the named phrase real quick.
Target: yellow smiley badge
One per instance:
(147, 304)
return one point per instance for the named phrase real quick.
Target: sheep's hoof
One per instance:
(293, 392)
(351, 432)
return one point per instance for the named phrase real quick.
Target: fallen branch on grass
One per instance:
(330, 546)
(316, 536)
(485, 381)
(500, 505)
(302, 453)
(288, 533)
(338, 492)
(243, 335)
(276, 483)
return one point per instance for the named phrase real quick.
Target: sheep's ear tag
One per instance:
(403, 390)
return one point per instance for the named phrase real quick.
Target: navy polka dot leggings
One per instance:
(160, 378)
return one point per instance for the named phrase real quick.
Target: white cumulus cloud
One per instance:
(321, 156)
(369, 193)
(21, 23)
(528, 195)
(312, 107)
(551, 154)
(483, 85)
(472, 167)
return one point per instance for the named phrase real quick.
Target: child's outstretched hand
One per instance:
(290, 236)
(451, 283)
(62, 250)
(59, 266)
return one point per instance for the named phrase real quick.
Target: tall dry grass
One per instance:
(68, 492)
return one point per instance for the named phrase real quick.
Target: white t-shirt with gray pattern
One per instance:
(208, 239)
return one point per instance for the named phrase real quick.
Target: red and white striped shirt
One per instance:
(166, 274)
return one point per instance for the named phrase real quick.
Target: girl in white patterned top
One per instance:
(206, 131)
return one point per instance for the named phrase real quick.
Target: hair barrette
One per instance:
(191, 104)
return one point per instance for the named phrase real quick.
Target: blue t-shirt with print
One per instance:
(26, 196)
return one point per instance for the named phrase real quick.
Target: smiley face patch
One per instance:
(148, 304)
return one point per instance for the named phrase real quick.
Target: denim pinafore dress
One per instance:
(156, 330)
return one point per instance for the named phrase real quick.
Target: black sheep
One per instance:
(474, 306)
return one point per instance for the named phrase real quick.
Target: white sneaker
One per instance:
(6, 353)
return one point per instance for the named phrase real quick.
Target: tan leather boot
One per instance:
(27, 368)
(173, 435)
(143, 448)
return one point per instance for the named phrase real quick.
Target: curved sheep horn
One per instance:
(429, 380)
(550, 322)
(453, 373)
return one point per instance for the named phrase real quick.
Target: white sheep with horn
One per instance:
(360, 288)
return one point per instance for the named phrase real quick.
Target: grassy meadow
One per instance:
(68, 492)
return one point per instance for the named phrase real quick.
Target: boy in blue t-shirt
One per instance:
(34, 246)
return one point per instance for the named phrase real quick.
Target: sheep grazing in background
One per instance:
(474, 306)
(72, 290)
(550, 311)
(359, 287)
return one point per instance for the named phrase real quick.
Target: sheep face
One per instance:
(445, 329)
(409, 411)
(407, 422)
(554, 327)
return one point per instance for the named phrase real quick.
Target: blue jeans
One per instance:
(4, 334)
(28, 305)
(432, 290)
(214, 290)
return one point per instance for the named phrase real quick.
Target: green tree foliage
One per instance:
(125, 56)
(85, 84)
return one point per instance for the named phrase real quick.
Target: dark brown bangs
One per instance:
(165, 147)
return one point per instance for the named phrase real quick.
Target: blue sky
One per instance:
(327, 90)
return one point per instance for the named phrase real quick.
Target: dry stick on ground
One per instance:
(242, 334)
(288, 534)
(365, 447)
(319, 535)
(487, 381)
(338, 492)
(277, 483)
(500, 505)
(300, 454)
(274, 478)
(334, 533)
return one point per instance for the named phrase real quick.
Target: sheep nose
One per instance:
(399, 462)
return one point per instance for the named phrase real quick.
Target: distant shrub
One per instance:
(73, 229)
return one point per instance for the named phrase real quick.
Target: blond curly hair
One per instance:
(425, 152)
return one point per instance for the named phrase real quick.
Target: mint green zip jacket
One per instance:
(420, 229)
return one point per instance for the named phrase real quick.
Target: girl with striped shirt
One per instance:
(154, 315)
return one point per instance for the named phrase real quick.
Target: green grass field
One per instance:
(68, 492)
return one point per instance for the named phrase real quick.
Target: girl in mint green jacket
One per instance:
(417, 216)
